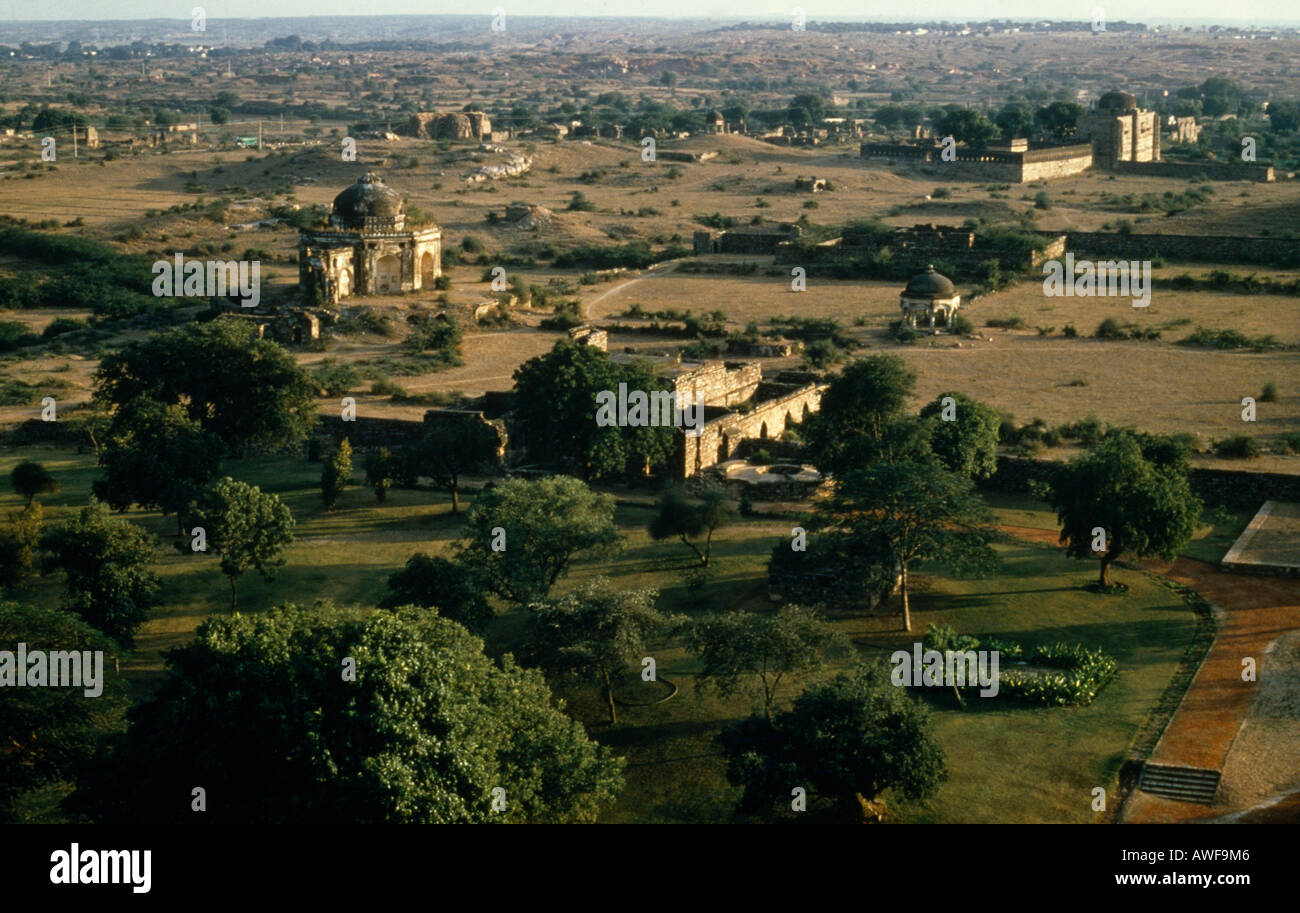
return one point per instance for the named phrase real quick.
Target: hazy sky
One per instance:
(1150, 11)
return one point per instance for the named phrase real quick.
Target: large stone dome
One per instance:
(930, 285)
(369, 204)
(1117, 101)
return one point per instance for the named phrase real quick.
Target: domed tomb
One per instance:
(369, 205)
(366, 249)
(931, 298)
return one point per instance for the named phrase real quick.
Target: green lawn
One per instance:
(1008, 762)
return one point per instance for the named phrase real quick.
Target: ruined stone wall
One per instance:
(1232, 488)
(1194, 248)
(1060, 165)
(721, 383)
(1215, 171)
(719, 439)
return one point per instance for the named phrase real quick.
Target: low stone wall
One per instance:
(370, 433)
(1215, 171)
(1193, 248)
(1232, 488)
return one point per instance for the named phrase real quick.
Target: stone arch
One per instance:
(426, 269)
(762, 432)
(807, 411)
(388, 274)
(345, 282)
(789, 421)
(723, 447)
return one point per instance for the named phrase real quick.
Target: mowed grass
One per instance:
(1008, 762)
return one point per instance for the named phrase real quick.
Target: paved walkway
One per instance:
(1256, 611)
(1253, 613)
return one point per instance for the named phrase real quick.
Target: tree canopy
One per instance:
(50, 731)
(248, 391)
(596, 632)
(521, 536)
(1142, 503)
(846, 741)
(261, 712)
(109, 582)
(246, 526)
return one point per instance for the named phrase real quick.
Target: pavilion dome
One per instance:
(930, 285)
(369, 203)
(1117, 101)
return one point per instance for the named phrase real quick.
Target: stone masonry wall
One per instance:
(1233, 488)
(1195, 248)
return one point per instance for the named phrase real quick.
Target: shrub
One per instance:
(333, 379)
(1070, 331)
(1238, 446)
(961, 324)
(1006, 323)
(1269, 393)
(1291, 442)
(1110, 328)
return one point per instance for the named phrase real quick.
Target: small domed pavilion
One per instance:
(931, 298)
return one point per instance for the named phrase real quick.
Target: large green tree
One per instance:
(737, 647)
(323, 714)
(435, 582)
(1125, 501)
(50, 732)
(862, 420)
(555, 402)
(107, 564)
(247, 527)
(248, 391)
(521, 536)
(963, 434)
(846, 741)
(595, 632)
(454, 446)
(679, 514)
(156, 456)
(904, 514)
(966, 125)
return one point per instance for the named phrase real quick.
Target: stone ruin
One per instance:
(470, 125)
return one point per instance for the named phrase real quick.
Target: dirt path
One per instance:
(655, 271)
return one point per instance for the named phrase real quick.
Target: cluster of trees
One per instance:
(555, 403)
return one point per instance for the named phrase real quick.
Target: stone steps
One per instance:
(1184, 784)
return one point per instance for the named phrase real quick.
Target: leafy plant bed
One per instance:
(1058, 674)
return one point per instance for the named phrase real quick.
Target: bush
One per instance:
(961, 324)
(1006, 323)
(1110, 328)
(1070, 331)
(14, 335)
(333, 379)
(1268, 394)
(1239, 446)
(1291, 442)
